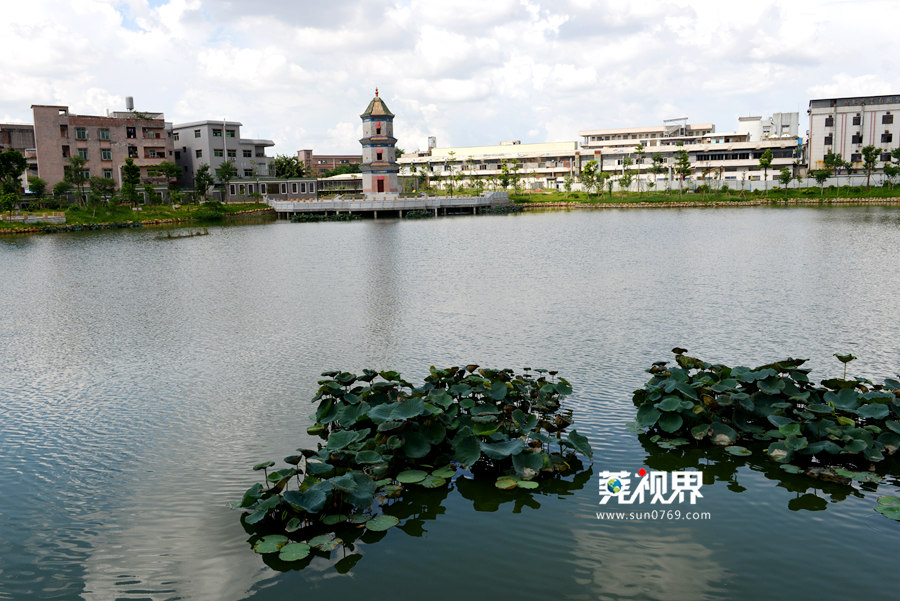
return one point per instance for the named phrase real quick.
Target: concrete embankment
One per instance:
(698, 203)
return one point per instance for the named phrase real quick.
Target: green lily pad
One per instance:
(294, 552)
(889, 507)
(526, 484)
(411, 476)
(382, 523)
(432, 481)
(331, 520)
(738, 450)
(293, 525)
(324, 542)
(263, 465)
(444, 472)
(791, 469)
(270, 543)
(670, 422)
(889, 500)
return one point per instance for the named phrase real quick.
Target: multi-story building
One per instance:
(541, 165)
(317, 164)
(846, 125)
(722, 156)
(103, 142)
(213, 143)
(20, 136)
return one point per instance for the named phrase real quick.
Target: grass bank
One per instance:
(125, 216)
(712, 197)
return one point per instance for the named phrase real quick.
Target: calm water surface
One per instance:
(141, 378)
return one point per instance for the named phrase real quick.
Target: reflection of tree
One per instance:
(418, 506)
(814, 489)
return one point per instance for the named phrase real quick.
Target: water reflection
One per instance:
(416, 508)
(814, 490)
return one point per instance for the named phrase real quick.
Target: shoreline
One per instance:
(718, 203)
(116, 225)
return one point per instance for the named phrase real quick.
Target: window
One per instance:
(284, 188)
(175, 136)
(856, 119)
(887, 119)
(378, 129)
(856, 138)
(107, 173)
(81, 133)
(886, 137)
(218, 152)
(105, 154)
(828, 140)
(229, 133)
(86, 173)
(855, 157)
(312, 187)
(177, 154)
(63, 131)
(241, 189)
(104, 133)
(885, 157)
(294, 188)
(231, 189)
(248, 172)
(232, 154)
(65, 152)
(378, 155)
(130, 132)
(82, 152)
(829, 121)
(132, 152)
(217, 133)
(198, 153)
(196, 133)
(248, 154)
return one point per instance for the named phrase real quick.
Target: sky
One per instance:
(469, 72)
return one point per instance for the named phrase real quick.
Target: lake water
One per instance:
(140, 379)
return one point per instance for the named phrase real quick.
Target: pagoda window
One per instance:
(378, 155)
(378, 128)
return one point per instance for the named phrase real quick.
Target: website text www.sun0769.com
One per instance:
(655, 514)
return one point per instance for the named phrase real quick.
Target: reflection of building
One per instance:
(845, 125)
(20, 136)
(317, 164)
(535, 165)
(726, 156)
(379, 166)
(245, 190)
(213, 143)
(104, 142)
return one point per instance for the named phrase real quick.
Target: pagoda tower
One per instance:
(379, 166)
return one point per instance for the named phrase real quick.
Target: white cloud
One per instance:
(469, 72)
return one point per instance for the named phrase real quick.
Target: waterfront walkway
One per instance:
(390, 207)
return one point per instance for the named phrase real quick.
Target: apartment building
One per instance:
(846, 125)
(20, 136)
(317, 164)
(105, 142)
(213, 143)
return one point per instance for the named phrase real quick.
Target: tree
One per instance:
(131, 177)
(342, 169)
(168, 170)
(102, 188)
(640, 152)
(225, 173)
(203, 180)
(870, 156)
(625, 181)
(568, 180)
(37, 186)
(589, 179)
(449, 168)
(890, 173)
(765, 161)
(505, 177)
(682, 168)
(820, 176)
(75, 175)
(659, 167)
(12, 166)
(833, 163)
(288, 167)
(785, 176)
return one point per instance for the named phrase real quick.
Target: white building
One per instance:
(213, 143)
(713, 156)
(845, 125)
(541, 165)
